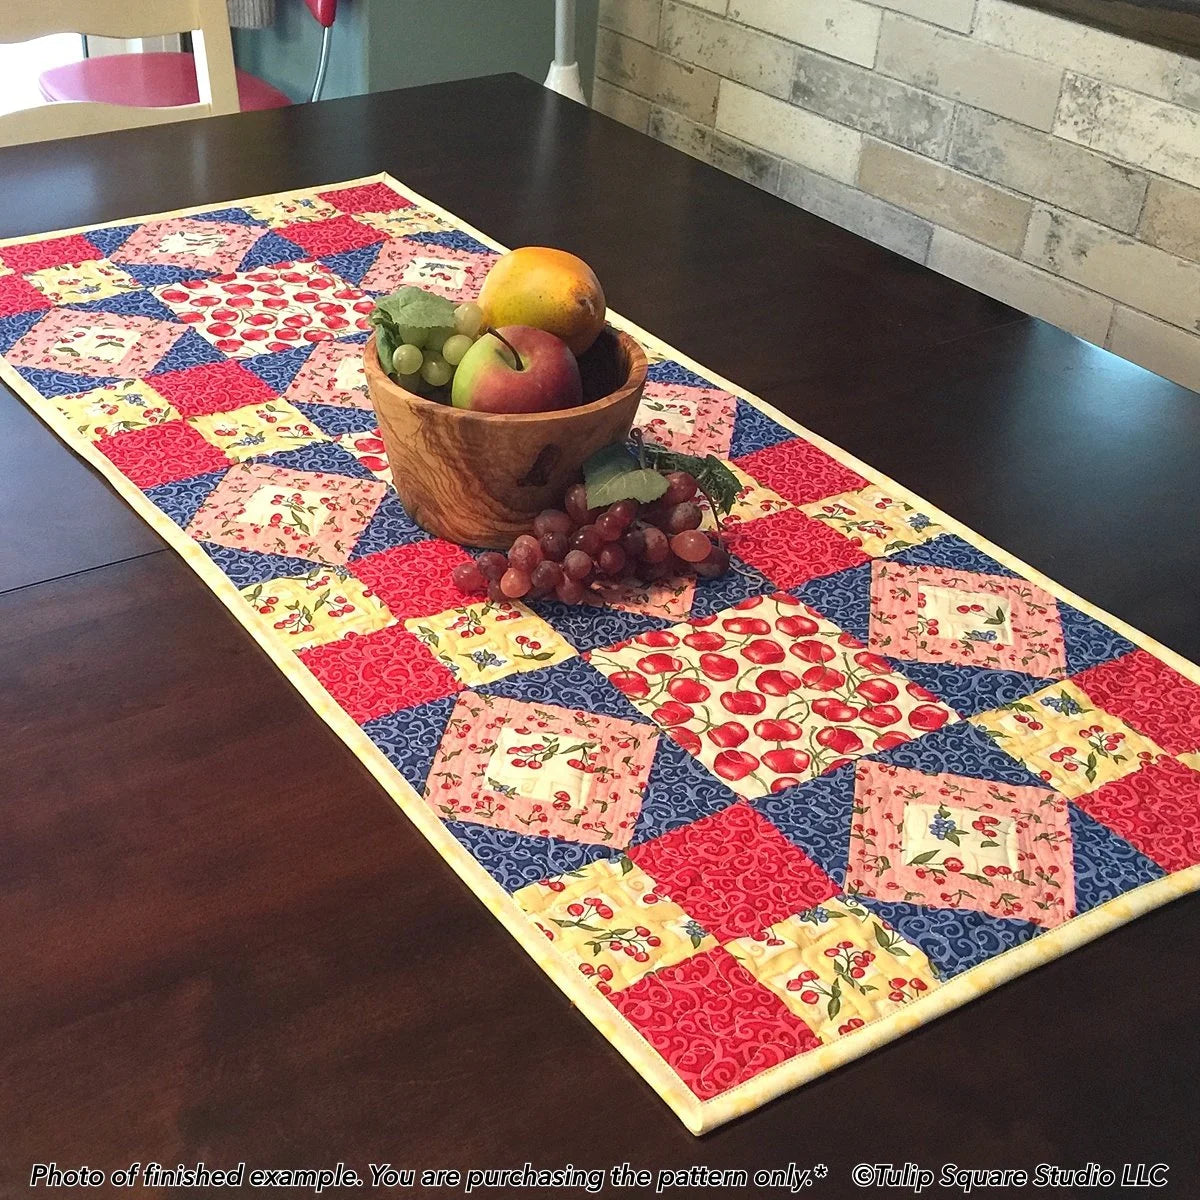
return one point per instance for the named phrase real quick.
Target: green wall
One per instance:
(382, 44)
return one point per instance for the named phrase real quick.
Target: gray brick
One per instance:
(634, 18)
(621, 105)
(844, 28)
(1138, 275)
(868, 216)
(711, 146)
(755, 59)
(944, 196)
(1047, 168)
(1171, 218)
(641, 69)
(868, 101)
(1164, 349)
(964, 69)
(953, 14)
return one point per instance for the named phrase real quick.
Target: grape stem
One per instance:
(520, 366)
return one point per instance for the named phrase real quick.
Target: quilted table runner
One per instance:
(753, 827)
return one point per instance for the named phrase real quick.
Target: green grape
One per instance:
(407, 359)
(436, 371)
(455, 347)
(468, 319)
(435, 339)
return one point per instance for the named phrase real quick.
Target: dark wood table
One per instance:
(220, 940)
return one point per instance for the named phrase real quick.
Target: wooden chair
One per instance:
(206, 20)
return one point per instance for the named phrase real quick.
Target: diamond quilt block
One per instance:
(734, 872)
(95, 279)
(488, 639)
(609, 919)
(275, 510)
(713, 1022)
(332, 374)
(799, 471)
(211, 388)
(162, 453)
(330, 236)
(118, 408)
(541, 770)
(768, 694)
(19, 296)
(277, 211)
(194, 245)
(950, 841)
(67, 250)
(93, 343)
(790, 548)
(271, 308)
(692, 420)
(876, 522)
(836, 966)
(414, 580)
(455, 274)
(366, 198)
(1064, 739)
(258, 429)
(668, 599)
(931, 614)
(405, 222)
(320, 606)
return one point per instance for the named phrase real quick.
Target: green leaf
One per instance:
(928, 856)
(626, 864)
(413, 308)
(612, 474)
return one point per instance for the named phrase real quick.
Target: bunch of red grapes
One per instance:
(574, 546)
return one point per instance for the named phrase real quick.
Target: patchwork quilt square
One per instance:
(94, 343)
(320, 606)
(366, 198)
(330, 236)
(541, 770)
(414, 580)
(768, 694)
(212, 388)
(258, 429)
(951, 841)
(117, 408)
(752, 501)
(931, 614)
(66, 250)
(692, 420)
(455, 274)
(278, 211)
(203, 246)
(332, 374)
(876, 522)
(488, 639)
(306, 514)
(610, 921)
(162, 453)
(799, 471)
(17, 295)
(790, 548)
(837, 966)
(95, 279)
(734, 872)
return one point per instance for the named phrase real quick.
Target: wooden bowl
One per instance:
(480, 478)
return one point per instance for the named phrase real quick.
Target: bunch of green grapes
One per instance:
(430, 358)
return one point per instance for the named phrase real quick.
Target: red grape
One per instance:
(551, 520)
(492, 564)
(611, 560)
(525, 553)
(514, 583)
(656, 545)
(609, 527)
(576, 505)
(623, 511)
(691, 545)
(554, 545)
(588, 540)
(681, 486)
(577, 564)
(634, 543)
(715, 565)
(683, 516)
(570, 591)
(494, 592)
(468, 578)
(545, 578)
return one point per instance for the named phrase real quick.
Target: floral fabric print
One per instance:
(837, 966)
(332, 374)
(932, 614)
(275, 510)
(692, 420)
(541, 770)
(99, 344)
(202, 246)
(874, 521)
(321, 606)
(93, 280)
(768, 694)
(489, 639)
(753, 501)
(102, 412)
(258, 429)
(278, 211)
(455, 274)
(950, 841)
(1061, 736)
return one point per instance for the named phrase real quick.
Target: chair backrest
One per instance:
(206, 20)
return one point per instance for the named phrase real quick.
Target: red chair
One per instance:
(168, 79)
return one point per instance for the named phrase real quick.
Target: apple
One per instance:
(543, 377)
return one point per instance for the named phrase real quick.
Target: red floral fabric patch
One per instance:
(712, 1022)
(1148, 695)
(53, 252)
(800, 472)
(734, 872)
(366, 198)
(331, 236)
(414, 580)
(1157, 809)
(18, 295)
(379, 672)
(790, 548)
(212, 388)
(163, 453)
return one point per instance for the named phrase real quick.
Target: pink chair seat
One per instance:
(162, 79)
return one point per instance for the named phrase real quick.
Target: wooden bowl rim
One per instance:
(638, 366)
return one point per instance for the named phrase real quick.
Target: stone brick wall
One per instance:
(1050, 164)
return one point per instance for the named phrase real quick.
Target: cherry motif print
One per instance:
(691, 420)
(768, 694)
